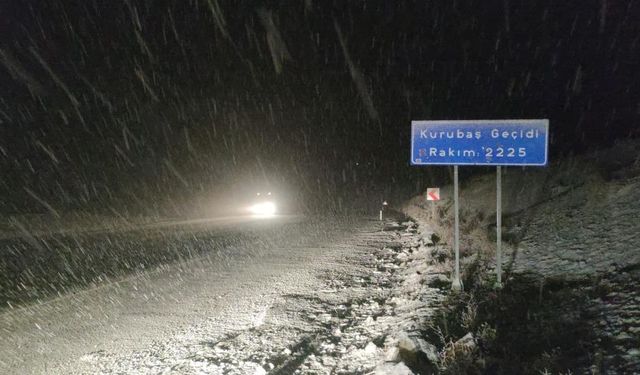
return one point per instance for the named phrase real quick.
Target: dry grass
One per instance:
(456, 358)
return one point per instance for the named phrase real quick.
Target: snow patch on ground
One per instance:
(574, 224)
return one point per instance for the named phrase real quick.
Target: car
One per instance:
(264, 204)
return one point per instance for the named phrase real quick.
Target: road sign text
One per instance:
(479, 142)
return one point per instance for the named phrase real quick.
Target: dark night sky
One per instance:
(132, 104)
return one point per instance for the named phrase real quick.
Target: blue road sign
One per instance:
(480, 142)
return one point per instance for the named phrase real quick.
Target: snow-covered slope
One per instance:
(573, 227)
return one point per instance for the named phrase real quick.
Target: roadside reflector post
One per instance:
(498, 284)
(384, 208)
(456, 285)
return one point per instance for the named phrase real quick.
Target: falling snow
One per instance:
(135, 136)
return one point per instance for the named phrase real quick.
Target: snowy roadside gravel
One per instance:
(341, 322)
(338, 305)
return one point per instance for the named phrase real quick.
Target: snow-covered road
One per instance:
(181, 318)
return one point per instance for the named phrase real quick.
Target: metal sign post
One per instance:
(456, 284)
(480, 142)
(498, 284)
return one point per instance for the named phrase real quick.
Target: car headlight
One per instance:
(263, 209)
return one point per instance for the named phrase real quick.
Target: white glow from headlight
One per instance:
(263, 209)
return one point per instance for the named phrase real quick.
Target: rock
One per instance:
(328, 360)
(395, 246)
(392, 354)
(439, 253)
(634, 353)
(439, 281)
(417, 353)
(259, 370)
(393, 369)
(370, 348)
(325, 317)
(429, 350)
(623, 337)
(390, 227)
